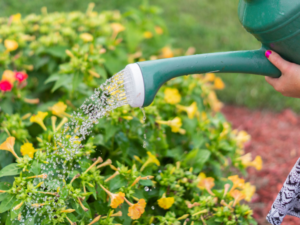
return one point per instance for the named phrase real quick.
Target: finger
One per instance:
(272, 81)
(277, 61)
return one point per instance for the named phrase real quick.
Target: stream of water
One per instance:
(63, 157)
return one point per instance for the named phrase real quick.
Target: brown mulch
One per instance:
(276, 138)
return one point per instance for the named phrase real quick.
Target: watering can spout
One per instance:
(153, 74)
(274, 23)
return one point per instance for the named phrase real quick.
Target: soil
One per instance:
(276, 138)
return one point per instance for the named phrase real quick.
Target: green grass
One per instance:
(208, 25)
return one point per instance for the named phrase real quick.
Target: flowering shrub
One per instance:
(172, 168)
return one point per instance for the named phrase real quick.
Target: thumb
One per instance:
(277, 61)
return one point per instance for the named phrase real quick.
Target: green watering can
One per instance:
(275, 23)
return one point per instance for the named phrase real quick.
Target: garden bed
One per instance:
(276, 138)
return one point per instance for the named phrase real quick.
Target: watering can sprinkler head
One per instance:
(275, 23)
(134, 85)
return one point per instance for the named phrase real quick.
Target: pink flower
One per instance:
(21, 76)
(5, 85)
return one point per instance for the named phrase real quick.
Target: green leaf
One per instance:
(46, 221)
(110, 131)
(36, 168)
(99, 139)
(101, 71)
(146, 182)
(84, 164)
(122, 140)
(8, 220)
(6, 158)
(6, 106)
(101, 193)
(52, 78)
(113, 65)
(175, 153)
(4, 186)
(134, 35)
(99, 206)
(3, 196)
(196, 158)
(41, 61)
(125, 220)
(93, 190)
(64, 193)
(63, 80)
(223, 145)
(117, 182)
(10, 170)
(77, 79)
(57, 51)
(7, 203)
(198, 140)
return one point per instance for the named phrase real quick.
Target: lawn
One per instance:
(208, 25)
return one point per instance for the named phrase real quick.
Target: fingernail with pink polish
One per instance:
(268, 53)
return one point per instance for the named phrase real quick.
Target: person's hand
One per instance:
(289, 82)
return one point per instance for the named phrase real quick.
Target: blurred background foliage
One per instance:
(207, 25)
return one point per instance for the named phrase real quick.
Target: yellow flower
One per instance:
(226, 129)
(219, 84)
(117, 199)
(8, 145)
(59, 109)
(237, 182)
(249, 191)
(191, 110)
(257, 163)
(172, 96)
(241, 138)
(18, 206)
(9, 76)
(32, 101)
(10, 45)
(215, 104)
(175, 125)
(151, 159)
(203, 116)
(68, 210)
(167, 52)
(238, 196)
(127, 117)
(28, 149)
(205, 182)
(165, 203)
(43, 176)
(246, 161)
(39, 119)
(117, 27)
(16, 17)
(136, 210)
(209, 77)
(148, 35)
(159, 30)
(86, 37)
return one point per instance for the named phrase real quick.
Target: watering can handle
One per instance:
(157, 72)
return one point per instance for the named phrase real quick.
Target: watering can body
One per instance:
(275, 23)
